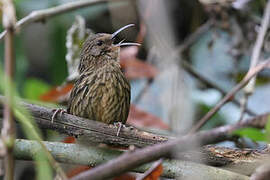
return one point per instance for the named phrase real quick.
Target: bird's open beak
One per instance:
(122, 43)
(127, 44)
(121, 29)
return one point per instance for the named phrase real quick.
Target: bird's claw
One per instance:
(119, 125)
(56, 111)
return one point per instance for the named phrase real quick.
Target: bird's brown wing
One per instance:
(81, 96)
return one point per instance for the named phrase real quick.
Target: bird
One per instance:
(101, 92)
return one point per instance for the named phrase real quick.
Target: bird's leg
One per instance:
(56, 111)
(119, 125)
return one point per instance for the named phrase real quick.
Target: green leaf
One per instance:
(43, 168)
(33, 88)
(252, 133)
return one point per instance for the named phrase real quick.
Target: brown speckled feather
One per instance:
(102, 92)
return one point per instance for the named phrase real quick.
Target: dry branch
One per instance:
(88, 130)
(93, 131)
(44, 14)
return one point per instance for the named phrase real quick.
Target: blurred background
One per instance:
(214, 38)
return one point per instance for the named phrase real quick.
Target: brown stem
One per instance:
(44, 14)
(96, 132)
(8, 130)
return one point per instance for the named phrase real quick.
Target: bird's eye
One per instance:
(99, 43)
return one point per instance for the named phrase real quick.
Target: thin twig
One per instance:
(41, 15)
(251, 73)
(249, 89)
(194, 37)
(8, 131)
(243, 107)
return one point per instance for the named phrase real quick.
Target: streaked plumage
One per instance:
(101, 92)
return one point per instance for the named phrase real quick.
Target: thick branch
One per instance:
(93, 131)
(88, 130)
(78, 154)
(243, 161)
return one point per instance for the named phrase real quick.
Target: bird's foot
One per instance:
(119, 125)
(58, 111)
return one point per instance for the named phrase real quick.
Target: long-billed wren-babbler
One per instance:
(101, 92)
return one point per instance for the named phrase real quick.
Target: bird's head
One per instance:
(100, 47)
